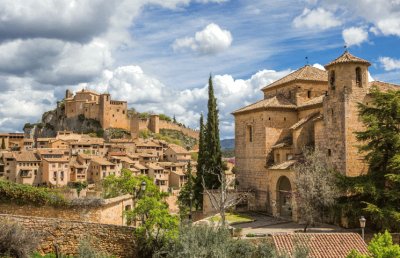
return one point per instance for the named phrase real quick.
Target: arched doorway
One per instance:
(284, 196)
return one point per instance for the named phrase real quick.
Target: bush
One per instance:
(86, 250)
(202, 241)
(16, 242)
(26, 194)
(81, 117)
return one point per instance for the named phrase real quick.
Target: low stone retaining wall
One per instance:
(116, 240)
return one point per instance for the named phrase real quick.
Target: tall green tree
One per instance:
(213, 157)
(198, 187)
(3, 144)
(184, 197)
(377, 193)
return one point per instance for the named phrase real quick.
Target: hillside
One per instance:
(228, 144)
(171, 136)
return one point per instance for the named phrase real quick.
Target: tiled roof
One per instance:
(154, 166)
(284, 165)
(278, 101)
(304, 120)
(127, 160)
(306, 73)
(58, 160)
(346, 57)
(139, 166)
(102, 161)
(384, 86)
(312, 102)
(178, 149)
(321, 245)
(54, 151)
(26, 156)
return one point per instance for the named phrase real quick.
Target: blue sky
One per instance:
(158, 54)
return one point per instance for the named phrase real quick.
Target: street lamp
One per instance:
(143, 186)
(190, 212)
(362, 225)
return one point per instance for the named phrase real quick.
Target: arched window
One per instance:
(332, 80)
(358, 76)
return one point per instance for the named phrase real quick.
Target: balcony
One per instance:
(25, 174)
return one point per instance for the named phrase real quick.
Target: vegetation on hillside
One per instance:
(377, 193)
(15, 241)
(26, 194)
(170, 136)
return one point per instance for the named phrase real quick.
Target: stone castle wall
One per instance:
(67, 234)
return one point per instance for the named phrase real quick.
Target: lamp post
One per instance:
(362, 225)
(190, 205)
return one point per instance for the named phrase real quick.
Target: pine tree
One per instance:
(3, 144)
(378, 192)
(198, 187)
(212, 153)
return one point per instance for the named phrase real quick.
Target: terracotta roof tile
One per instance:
(304, 120)
(322, 245)
(284, 165)
(277, 101)
(306, 73)
(313, 101)
(178, 149)
(26, 156)
(102, 161)
(346, 57)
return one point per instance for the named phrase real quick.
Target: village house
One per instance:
(100, 168)
(176, 153)
(160, 176)
(12, 141)
(308, 107)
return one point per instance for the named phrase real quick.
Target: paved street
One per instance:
(265, 224)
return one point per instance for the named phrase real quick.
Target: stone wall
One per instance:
(109, 212)
(67, 234)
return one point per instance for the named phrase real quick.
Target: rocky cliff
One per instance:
(55, 120)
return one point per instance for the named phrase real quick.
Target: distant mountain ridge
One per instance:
(228, 144)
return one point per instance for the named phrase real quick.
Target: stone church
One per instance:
(308, 107)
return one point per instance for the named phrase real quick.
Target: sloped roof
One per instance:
(306, 73)
(26, 156)
(321, 245)
(314, 101)
(102, 161)
(284, 165)
(346, 57)
(277, 101)
(178, 149)
(304, 120)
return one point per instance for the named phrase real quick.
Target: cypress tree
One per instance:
(198, 187)
(3, 144)
(213, 155)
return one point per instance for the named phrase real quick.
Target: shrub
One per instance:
(86, 250)
(26, 194)
(16, 242)
(201, 241)
(81, 117)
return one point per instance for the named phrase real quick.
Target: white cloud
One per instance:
(319, 66)
(319, 18)
(389, 63)
(147, 93)
(211, 40)
(354, 36)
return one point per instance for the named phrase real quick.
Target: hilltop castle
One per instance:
(309, 107)
(114, 114)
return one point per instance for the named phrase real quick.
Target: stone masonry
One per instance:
(309, 107)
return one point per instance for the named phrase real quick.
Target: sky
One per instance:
(158, 54)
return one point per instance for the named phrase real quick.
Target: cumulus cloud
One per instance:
(146, 93)
(211, 40)
(318, 18)
(354, 36)
(389, 63)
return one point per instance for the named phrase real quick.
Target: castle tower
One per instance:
(105, 110)
(154, 124)
(347, 86)
(68, 94)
